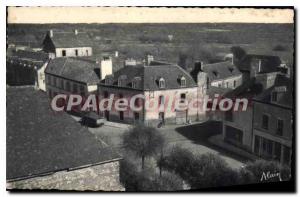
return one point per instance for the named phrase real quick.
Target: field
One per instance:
(172, 42)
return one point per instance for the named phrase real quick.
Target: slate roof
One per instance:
(220, 70)
(39, 140)
(285, 99)
(76, 69)
(69, 39)
(150, 75)
(269, 63)
(38, 58)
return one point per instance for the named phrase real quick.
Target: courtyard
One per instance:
(193, 137)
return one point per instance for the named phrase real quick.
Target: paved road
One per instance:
(193, 137)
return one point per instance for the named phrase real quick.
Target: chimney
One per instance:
(51, 33)
(76, 31)
(149, 59)
(259, 65)
(116, 53)
(198, 66)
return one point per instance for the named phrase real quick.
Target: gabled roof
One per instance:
(39, 140)
(151, 74)
(285, 99)
(70, 39)
(75, 69)
(220, 70)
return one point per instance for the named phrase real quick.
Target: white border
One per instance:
(116, 3)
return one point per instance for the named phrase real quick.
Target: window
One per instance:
(227, 84)
(183, 82)
(87, 52)
(161, 100)
(63, 53)
(286, 155)
(182, 97)
(54, 81)
(122, 80)
(76, 52)
(277, 151)
(279, 127)
(121, 114)
(61, 83)
(234, 83)
(75, 88)
(229, 116)
(265, 121)
(82, 92)
(68, 86)
(109, 80)
(162, 83)
(136, 116)
(274, 96)
(136, 82)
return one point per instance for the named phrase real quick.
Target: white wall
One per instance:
(70, 52)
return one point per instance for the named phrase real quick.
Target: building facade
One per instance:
(160, 84)
(273, 122)
(67, 44)
(75, 76)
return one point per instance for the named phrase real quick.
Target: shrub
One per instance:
(261, 168)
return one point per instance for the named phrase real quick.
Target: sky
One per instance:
(147, 15)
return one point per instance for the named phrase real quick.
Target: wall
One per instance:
(242, 120)
(100, 177)
(223, 83)
(70, 52)
(170, 113)
(105, 68)
(114, 115)
(41, 80)
(274, 113)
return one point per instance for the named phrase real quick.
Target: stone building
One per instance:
(237, 124)
(26, 67)
(67, 44)
(273, 114)
(157, 81)
(50, 150)
(75, 75)
(214, 80)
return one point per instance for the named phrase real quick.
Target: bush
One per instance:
(147, 180)
(261, 168)
(207, 170)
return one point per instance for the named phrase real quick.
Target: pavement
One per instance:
(194, 137)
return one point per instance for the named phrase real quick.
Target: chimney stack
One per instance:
(51, 33)
(76, 31)
(149, 59)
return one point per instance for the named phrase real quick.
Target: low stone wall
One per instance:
(102, 177)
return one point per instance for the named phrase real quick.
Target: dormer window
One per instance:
(162, 83)
(122, 80)
(136, 82)
(182, 82)
(109, 80)
(230, 69)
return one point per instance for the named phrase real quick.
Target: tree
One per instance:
(143, 141)
(238, 52)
